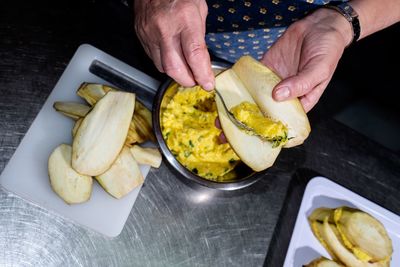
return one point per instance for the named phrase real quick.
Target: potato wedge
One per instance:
(71, 186)
(141, 127)
(93, 92)
(323, 262)
(260, 81)
(148, 156)
(254, 152)
(72, 109)
(76, 126)
(123, 176)
(102, 133)
(142, 119)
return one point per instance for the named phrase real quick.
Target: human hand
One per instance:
(172, 34)
(307, 54)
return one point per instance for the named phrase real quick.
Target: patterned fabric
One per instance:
(249, 27)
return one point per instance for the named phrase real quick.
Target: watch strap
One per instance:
(350, 15)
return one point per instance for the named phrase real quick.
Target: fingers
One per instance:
(309, 100)
(174, 63)
(173, 35)
(196, 54)
(155, 54)
(222, 138)
(312, 75)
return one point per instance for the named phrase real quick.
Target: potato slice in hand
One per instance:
(254, 152)
(260, 81)
(102, 133)
(148, 156)
(71, 186)
(123, 176)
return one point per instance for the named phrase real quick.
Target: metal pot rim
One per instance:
(233, 185)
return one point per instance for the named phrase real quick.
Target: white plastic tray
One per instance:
(26, 173)
(321, 192)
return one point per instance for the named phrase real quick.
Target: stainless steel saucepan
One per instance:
(157, 101)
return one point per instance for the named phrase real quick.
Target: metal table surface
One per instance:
(172, 223)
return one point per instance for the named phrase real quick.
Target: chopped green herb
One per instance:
(187, 153)
(166, 135)
(190, 143)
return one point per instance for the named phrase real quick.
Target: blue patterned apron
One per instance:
(249, 27)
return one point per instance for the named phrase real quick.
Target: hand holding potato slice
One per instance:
(249, 81)
(254, 152)
(260, 81)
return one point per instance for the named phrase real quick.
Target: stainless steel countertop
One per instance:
(171, 223)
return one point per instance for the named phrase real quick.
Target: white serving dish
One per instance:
(26, 173)
(321, 192)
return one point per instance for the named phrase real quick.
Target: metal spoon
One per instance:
(235, 121)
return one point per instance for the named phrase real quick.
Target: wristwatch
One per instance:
(351, 16)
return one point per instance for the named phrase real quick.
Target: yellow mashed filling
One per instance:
(250, 114)
(188, 126)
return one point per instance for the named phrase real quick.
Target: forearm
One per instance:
(375, 15)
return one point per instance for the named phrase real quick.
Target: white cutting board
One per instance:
(26, 173)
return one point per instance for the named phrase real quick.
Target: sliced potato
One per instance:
(317, 229)
(260, 81)
(72, 109)
(362, 233)
(93, 92)
(102, 133)
(254, 152)
(148, 156)
(141, 127)
(143, 122)
(320, 214)
(71, 186)
(341, 252)
(323, 262)
(123, 176)
(76, 126)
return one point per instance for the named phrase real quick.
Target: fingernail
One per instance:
(208, 86)
(282, 93)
